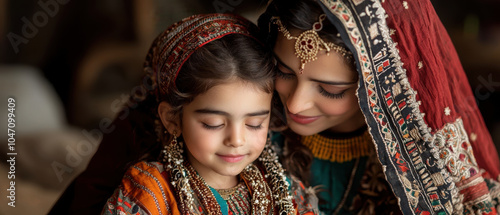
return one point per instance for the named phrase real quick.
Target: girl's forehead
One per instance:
(235, 99)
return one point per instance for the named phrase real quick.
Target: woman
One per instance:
(353, 73)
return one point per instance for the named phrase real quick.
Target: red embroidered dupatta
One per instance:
(429, 133)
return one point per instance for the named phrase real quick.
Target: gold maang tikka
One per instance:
(308, 43)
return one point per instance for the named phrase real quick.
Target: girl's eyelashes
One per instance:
(215, 127)
(283, 75)
(255, 127)
(327, 94)
(211, 127)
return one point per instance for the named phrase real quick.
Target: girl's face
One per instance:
(321, 98)
(225, 129)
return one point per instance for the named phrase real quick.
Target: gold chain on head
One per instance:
(308, 43)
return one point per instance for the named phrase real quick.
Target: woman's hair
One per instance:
(301, 15)
(232, 57)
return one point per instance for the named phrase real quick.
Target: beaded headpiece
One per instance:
(308, 43)
(173, 47)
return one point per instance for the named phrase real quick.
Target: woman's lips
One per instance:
(302, 119)
(231, 158)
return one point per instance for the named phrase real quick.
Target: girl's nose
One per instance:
(236, 137)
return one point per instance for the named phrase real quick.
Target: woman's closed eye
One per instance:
(284, 75)
(331, 95)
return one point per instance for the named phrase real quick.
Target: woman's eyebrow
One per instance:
(283, 64)
(333, 82)
(312, 79)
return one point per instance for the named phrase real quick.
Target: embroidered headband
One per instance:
(173, 47)
(308, 43)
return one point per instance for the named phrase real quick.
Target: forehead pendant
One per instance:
(308, 43)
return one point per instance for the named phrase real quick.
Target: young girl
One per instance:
(210, 85)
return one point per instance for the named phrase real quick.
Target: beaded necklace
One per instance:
(265, 197)
(338, 150)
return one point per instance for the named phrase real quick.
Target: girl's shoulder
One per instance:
(144, 188)
(150, 175)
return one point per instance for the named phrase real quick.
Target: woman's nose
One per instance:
(299, 99)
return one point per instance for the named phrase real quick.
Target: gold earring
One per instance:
(172, 148)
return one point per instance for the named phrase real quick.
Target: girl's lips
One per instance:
(232, 158)
(302, 119)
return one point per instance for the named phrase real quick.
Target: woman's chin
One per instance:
(304, 130)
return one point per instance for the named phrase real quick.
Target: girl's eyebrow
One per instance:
(312, 79)
(218, 112)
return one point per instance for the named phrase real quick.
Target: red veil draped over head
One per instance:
(430, 136)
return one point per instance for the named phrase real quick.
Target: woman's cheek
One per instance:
(336, 107)
(282, 86)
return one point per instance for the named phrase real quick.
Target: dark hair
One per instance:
(232, 57)
(301, 15)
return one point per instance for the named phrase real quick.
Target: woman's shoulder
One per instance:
(305, 199)
(144, 187)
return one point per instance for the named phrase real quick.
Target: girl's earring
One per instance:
(173, 150)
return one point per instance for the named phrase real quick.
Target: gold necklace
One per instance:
(227, 194)
(338, 150)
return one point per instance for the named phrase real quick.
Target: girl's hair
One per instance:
(232, 57)
(301, 15)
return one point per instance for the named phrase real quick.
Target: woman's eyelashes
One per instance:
(284, 75)
(327, 94)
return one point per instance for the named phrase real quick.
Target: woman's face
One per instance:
(322, 97)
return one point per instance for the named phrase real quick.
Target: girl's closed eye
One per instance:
(255, 124)
(212, 124)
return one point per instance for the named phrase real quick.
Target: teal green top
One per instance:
(224, 209)
(333, 179)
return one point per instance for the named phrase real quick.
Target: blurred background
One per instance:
(70, 65)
